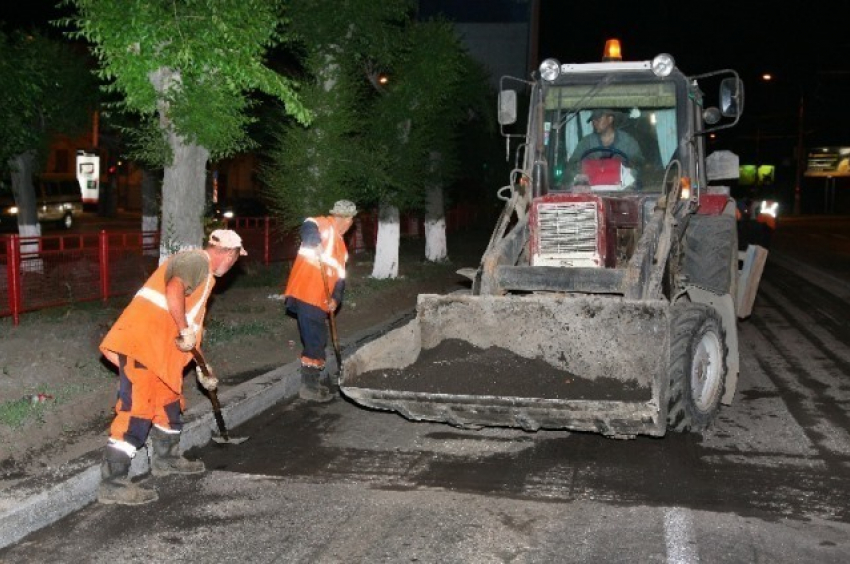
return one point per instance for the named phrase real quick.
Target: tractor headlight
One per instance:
(663, 65)
(550, 69)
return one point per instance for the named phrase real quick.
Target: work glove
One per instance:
(187, 340)
(337, 294)
(210, 383)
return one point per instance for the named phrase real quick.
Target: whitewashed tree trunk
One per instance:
(435, 228)
(389, 230)
(386, 248)
(22, 167)
(435, 221)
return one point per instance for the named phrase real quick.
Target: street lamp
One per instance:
(800, 157)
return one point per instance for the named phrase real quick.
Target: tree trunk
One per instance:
(151, 187)
(107, 203)
(184, 180)
(183, 195)
(315, 182)
(386, 248)
(22, 167)
(435, 221)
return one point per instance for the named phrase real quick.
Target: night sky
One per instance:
(805, 46)
(702, 36)
(30, 13)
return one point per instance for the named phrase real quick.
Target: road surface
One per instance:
(769, 482)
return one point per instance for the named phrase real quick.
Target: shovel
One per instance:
(224, 437)
(332, 322)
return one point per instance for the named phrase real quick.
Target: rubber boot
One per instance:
(115, 485)
(311, 389)
(330, 383)
(167, 458)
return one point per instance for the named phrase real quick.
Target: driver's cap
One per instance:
(599, 113)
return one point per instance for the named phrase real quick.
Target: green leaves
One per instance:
(193, 63)
(372, 143)
(45, 87)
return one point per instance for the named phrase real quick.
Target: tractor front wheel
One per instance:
(697, 367)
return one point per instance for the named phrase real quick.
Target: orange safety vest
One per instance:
(767, 219)
(145, 330)
(305, 280)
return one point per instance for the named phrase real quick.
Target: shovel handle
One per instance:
(219, 419)
(213, 394)
(331, 318)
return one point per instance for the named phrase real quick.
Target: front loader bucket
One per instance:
(534, 361)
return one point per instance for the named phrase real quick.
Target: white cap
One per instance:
(227, 239)
(344, 208)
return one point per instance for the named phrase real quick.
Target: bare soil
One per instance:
(54, 352)
(458, 367)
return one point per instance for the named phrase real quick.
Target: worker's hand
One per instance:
(187, 340)
(332, 305)
(210, 383)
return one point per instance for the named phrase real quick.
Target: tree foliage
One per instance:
(190, 70)
(45, 88)
(426, 100)
(307, 169)
(373, 142)
(345, 46)
(214, 51)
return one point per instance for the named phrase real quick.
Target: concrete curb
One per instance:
(42, 500)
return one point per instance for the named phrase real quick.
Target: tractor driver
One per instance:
(606, 141)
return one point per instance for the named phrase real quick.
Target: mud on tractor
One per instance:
(607, 297)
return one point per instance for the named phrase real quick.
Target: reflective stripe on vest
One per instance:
(327, 255)
(328, 260)
(158, 299)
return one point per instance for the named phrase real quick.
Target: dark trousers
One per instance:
(312, 326)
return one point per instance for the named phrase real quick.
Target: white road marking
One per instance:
(678, 536)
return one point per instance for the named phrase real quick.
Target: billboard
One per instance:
(752, 175)
(88, 175)
(828, 162)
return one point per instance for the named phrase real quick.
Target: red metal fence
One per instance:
(55, 270)
(42, 272)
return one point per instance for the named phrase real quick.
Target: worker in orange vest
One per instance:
(151, 344)
(312, 295)
(768, 210)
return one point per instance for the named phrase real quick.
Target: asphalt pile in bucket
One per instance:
(456, 367)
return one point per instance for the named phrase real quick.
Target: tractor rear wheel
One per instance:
(697, 369)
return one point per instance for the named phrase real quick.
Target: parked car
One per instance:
(57, 201)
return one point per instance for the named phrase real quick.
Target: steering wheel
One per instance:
(610, 152)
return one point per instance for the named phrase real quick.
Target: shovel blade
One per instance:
(229, 440)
